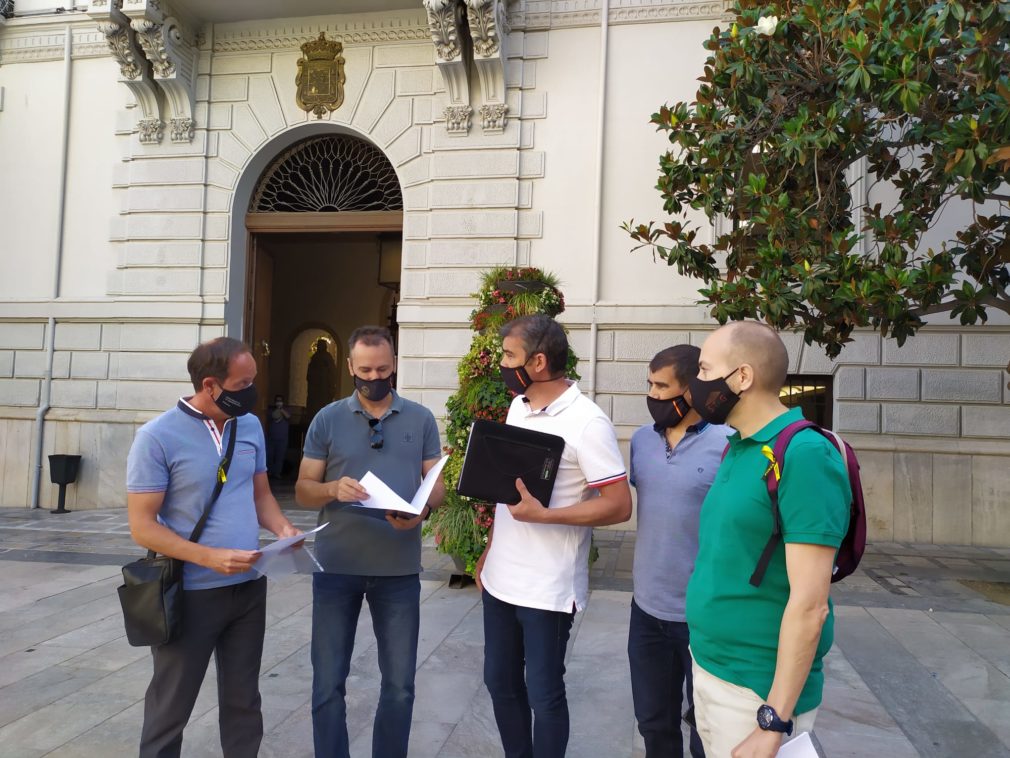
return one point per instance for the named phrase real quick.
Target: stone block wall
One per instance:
(108, 379)
(930, 420)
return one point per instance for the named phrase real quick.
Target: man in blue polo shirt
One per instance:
(170, 475)
(365, 554)
(673, 463)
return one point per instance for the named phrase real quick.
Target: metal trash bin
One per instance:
(63, 470)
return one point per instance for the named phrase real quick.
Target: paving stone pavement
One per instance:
(921, 665)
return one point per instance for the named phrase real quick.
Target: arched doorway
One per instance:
(324, 228)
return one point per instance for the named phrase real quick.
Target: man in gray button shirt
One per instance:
(366, 554)
(673, 464)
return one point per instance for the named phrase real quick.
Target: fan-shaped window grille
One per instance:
(328, 174)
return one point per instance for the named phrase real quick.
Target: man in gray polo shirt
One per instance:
(366, 554)
(170, 475)
(673, 464)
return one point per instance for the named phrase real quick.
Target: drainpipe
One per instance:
(47, 383)
(594, 325)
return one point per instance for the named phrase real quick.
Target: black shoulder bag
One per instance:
(151, 593)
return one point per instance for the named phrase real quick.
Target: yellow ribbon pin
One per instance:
(770, 455)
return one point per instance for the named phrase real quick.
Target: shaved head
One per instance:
(751, 343)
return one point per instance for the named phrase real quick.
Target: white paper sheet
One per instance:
(281, 557)
(381, 497)
(800, 746)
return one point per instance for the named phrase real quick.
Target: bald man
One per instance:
(758, 651)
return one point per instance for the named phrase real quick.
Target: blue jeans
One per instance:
(394, 602)
(660, 665)
(524, 668)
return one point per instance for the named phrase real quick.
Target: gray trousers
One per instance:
(228, 622)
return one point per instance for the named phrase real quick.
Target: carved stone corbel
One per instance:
(172, 52)
(489, 30)
(457, 119)
(446, 22)
(133, 69)
(493, 117)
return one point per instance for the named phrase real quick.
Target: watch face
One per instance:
(765, 716)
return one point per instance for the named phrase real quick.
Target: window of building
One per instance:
(812, 394)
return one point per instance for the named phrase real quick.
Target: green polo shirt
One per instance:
(735, 626)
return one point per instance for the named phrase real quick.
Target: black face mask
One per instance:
(516, 379)
(667, 413)
(713, 399)
(373, 390)
(237, 402)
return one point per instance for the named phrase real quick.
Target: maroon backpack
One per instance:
(854, 543)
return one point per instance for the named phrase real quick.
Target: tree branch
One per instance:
(947, 306)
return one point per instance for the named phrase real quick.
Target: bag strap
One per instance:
(772, 478)
(222, 477)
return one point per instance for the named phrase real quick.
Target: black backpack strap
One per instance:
(222, 477)
(772, 478)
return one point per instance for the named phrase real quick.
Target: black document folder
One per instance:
(498, 454)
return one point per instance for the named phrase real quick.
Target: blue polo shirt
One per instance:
(178, 453)
(359, 541)
(671, 485)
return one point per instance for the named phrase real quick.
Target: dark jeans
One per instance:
(394, 602)
(228, 622)
(524, 668)
(660, 665)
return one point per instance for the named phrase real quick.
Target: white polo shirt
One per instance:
(546, 566)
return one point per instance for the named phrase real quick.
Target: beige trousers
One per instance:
(727, 713)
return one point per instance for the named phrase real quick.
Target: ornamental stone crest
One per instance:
(319, 84)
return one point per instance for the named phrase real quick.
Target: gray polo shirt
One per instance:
(178, 453)
(358, 540)
(671, 486)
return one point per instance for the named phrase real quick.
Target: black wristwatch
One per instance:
(769, 721)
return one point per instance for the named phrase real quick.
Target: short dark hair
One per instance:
(212, 359)
(371, 336)
(683, 359)
(540, 334)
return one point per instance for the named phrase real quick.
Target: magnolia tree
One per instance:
(800, 100)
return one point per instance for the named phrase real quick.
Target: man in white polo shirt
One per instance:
(534, 573)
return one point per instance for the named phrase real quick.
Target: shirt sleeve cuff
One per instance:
(608, 480)
(814, 538)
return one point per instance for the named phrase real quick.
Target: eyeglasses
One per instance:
(375, 433)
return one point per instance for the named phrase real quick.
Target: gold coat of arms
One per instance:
(319, 85)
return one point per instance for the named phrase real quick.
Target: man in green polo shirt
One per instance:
(758, 651)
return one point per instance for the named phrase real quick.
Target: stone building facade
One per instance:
(135, 136)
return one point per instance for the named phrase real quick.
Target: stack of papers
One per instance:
(285, 556)
(381, 497)
(800, 746)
